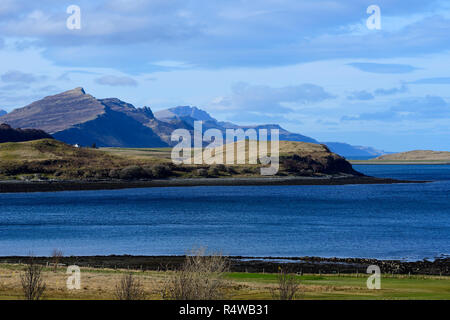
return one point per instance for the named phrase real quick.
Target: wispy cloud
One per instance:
(18, 76)
(360, 95)
(422, 108)
(367, 95)
(116, 81)
(438, 80)
(391, 91)
(266, 99)
(382, 67)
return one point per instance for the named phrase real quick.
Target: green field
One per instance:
(100, 283)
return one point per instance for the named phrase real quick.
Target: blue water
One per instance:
(407, 172)
(401, 221)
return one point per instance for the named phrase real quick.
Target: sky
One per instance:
(314, 67)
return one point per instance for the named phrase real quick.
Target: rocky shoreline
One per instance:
(11, 186)
(310, 265)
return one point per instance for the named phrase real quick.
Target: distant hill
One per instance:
(2, 112)
(8, 134)
(78, 118)
(184, 111)
(190, 114)
(349, 151)
(417, 155)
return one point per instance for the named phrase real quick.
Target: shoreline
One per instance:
(398, 162)
(315, 265)
(14, 186)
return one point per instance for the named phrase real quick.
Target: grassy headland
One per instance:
(47, 165)
(410, 157)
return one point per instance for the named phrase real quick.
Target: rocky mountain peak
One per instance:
(57, 112)
(147, 111)
(76, 91)
(184, 112)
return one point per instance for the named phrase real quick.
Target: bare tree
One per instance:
(129, 288)
(32, 283)
(199, 278)
(288, 285)
(56, 255)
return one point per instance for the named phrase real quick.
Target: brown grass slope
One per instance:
(417, 155)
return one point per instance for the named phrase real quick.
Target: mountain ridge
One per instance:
(77, 117)
(354, 151)
(183, 113)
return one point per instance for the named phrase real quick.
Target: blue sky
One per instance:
(311, 66)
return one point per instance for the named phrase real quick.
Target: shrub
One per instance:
(148, 172)
(56, 255)
(131, 172)
(213, 171)
(230, 170)
(200, 278)
(288, 286)
(129, 289)
(114, 173)
(33, 285)
(249, 170)
(202, 172)
(101, 174)
(161, 171)
(221, 167)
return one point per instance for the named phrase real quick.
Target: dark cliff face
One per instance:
(111, 129)
(312, 165)
(8, 134)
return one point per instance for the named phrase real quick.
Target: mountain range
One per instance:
(190, 114)
(76, 117)
(2, 112)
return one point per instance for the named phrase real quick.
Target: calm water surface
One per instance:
(402, 221)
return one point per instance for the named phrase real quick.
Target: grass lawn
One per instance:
(100, 284)
(353, 286)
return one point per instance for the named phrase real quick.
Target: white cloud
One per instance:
(266, 99)
(116, 81)
(172, 64)
(18, 76)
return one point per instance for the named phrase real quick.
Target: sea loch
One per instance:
(398, 221)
